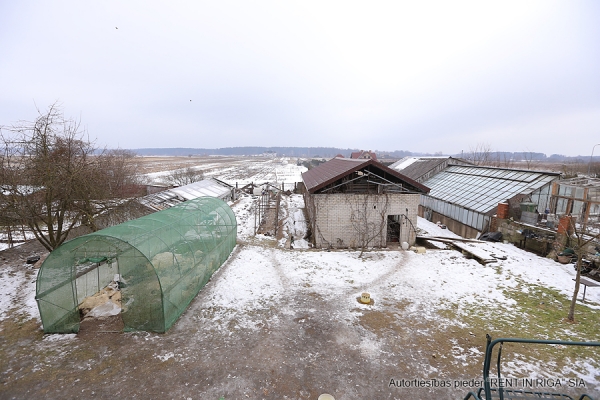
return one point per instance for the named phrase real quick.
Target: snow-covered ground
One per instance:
(17, 291)
(426, 280)
(519, 264)
(261, 278)
(436, 275)
(276, 171)
(265, 284)
(17, 238)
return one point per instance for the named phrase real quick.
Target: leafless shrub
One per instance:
(181, 177)
(368, 218)
(481, 154)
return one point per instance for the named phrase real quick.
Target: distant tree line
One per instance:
(248, 151)
(330, 152)
(307, 152)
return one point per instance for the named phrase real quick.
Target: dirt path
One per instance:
(18, 255)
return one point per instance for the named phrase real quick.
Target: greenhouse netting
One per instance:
(160, 262)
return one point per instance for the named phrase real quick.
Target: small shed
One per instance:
(161, 261)
(360, 203)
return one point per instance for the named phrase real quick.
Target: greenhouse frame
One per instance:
(160, 261)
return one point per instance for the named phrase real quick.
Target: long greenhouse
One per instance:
(160, 262)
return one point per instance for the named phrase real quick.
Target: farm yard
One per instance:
(277, 322)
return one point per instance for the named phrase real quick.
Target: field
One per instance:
(240, 170)
(280, 323)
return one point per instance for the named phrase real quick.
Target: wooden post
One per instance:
(587, 204)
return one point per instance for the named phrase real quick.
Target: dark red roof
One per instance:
(336, 168)
(359, 154)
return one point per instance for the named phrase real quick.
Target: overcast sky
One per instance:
(415, 75)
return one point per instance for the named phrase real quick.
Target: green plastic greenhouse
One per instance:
(161, 261)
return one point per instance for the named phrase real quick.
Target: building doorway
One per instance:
(394, 228)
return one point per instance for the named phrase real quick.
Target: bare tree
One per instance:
(121, 174)
(528, 157)
(368, 218)
(180, 177)
(54, 178)
(594, 169)
(115, 192)
(579, 244)
(507, 161)
(481, 154)
(571, 169)
(502, 160)
(495, 161)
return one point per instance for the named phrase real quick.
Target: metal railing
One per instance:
(510, 394)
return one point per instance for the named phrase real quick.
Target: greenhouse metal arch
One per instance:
(161, 260)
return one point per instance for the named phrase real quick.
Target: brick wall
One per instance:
(337, 219)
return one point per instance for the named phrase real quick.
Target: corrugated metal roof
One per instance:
(329, 171)
(418, 167)
(482, 188)
(336, 168)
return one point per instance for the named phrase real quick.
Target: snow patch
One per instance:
(17, 291)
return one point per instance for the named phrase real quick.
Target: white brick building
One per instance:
(360, 203)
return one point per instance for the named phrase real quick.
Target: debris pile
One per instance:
(105, 303)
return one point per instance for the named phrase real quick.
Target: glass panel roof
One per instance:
(481, 189)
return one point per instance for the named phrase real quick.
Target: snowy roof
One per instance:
(404, 162)
(168, 198)
(482, 188)
(206, 187)
(416, 167)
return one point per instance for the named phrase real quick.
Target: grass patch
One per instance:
(538, 313)
(18, 327)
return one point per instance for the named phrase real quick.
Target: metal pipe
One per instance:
(490, 347)
(590, 165)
